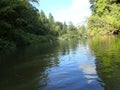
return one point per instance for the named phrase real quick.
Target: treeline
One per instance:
(22, 24)
(105, 17)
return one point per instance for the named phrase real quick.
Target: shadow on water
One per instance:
(107, 52)
(26, 68)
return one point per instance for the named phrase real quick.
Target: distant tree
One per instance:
(71, 27)
(58, 28)
(43, 17)
(64, 28)
(51, 18)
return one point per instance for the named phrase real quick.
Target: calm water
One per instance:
(84, 64)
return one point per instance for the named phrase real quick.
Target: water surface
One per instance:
(84, 64)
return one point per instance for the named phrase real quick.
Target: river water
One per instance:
(84, 64)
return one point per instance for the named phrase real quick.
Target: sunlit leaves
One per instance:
(105, 17)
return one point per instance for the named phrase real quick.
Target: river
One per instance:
(84, 64)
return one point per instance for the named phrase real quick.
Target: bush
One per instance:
(6, 45)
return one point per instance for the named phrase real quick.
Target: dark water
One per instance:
(84, 64)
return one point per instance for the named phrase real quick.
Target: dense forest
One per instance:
(21, 24)
(105, 18)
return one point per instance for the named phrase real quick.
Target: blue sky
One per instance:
(66, 10)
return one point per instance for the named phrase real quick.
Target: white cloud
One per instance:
(89, 70)
(77, 13)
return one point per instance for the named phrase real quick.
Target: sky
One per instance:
(76, 11)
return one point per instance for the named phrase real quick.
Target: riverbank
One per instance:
(26, 40)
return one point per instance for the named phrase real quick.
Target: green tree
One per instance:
(104, 17)
(58, 28)
(51, 24)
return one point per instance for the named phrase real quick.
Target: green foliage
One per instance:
(82, 31)
(5, 45)
(105, 17)
(22, 24)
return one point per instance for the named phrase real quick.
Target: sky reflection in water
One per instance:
(76, 70)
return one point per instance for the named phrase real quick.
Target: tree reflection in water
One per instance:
(107, 52)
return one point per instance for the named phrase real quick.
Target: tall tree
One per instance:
(51, 18)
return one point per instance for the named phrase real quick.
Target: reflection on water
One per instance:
(107, 52)
(76, 69)
(66, 65)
